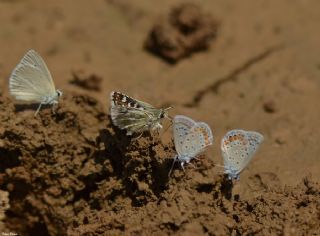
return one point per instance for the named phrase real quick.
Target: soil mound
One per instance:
(73, 173)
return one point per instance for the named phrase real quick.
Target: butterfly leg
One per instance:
(174, 161)
(155, 131)
(158, 135)
(39, 107)
(54, 105)
(192, 165)
(152, 134)
(182, 166)
(136, 138)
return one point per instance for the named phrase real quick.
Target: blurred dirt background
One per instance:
(73, 173)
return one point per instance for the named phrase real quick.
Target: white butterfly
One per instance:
(190, 139)
(238, 147)
(31, 81)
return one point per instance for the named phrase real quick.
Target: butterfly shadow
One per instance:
(110, 149)
(227, 187)
(150, 148)
(31, 106)
(135, 162)
(23, 107)
(160, 175)
(107, 158)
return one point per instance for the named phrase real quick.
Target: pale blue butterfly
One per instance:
(238, 147)
(190, 139)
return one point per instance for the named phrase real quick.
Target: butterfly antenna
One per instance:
(174, 161)
(167, 115)
(166, 129)
(220, 166)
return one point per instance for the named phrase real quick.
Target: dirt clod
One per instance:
(90, 82)
(270, 107)
(187, 29)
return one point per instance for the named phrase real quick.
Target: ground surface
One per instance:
(73, 173)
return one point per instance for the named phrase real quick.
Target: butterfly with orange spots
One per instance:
(238, 147)
(190, 139)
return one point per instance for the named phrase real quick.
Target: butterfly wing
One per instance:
(254, 140)
(130, 114)
(238, 147)
(31, 80)
(199, 137)
(122, 100)
(134, 121)
(181, 128)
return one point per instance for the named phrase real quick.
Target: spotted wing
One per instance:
(131, 114)
(199, 137)
(122, 100)
(254, 141)
(238, 147)
(31, 80)
(181, 128)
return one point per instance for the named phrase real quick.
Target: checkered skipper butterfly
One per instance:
(135, 116)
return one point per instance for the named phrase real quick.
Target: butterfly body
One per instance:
(135, 116)
(53, 99)
(184, 159)
(31, 81)
(238, 148)
(190, 138)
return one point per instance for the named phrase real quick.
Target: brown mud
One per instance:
(72, 173)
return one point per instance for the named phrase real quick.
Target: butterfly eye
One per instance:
(59, 93)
